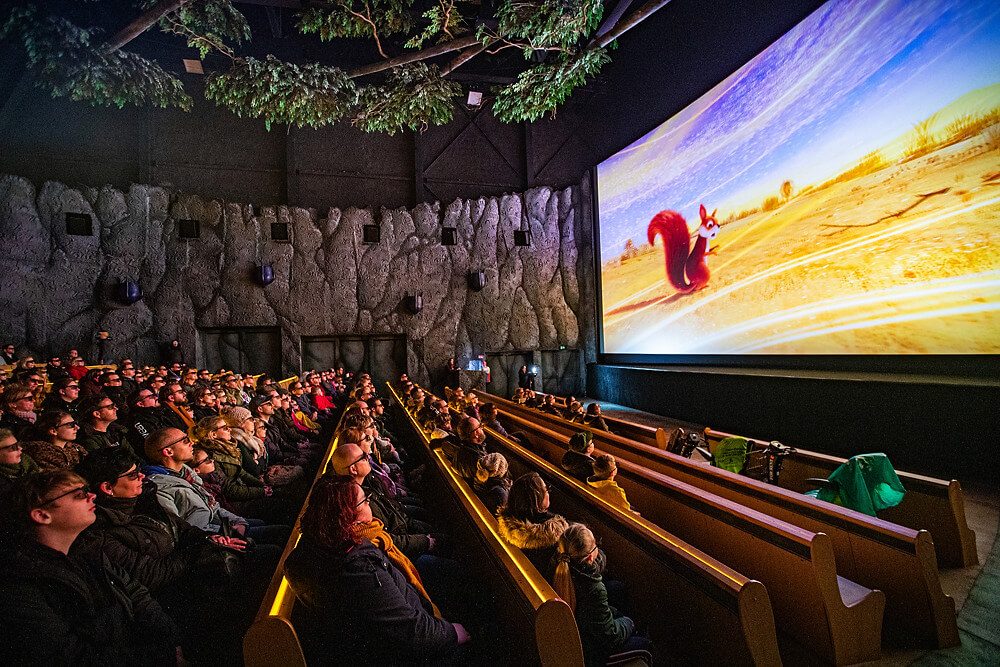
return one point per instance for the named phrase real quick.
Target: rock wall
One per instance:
(58, 289)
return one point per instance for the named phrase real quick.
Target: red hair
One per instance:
(331, 511)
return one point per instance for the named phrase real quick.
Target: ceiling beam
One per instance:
(141, 23)
(616, 14)
(633, 19)
(406, 58)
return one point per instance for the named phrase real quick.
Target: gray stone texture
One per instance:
(59, 289)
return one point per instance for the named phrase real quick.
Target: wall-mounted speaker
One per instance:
(449, 236)
(188, 229)
(79, 224)
(128, 292)
(414, 303)
(522, 237)
(371, 234)
(280, 232)
(477, 280)
(264, 275)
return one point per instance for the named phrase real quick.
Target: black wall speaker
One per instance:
(371, 234)
(522, 237)
(280, 232)
(477, 280)
(264, 275)
(414, 303)
(188, 229)
(449, 236)
(128, 292)
(79, 224)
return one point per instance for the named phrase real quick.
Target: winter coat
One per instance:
(496, 426)
(154, 547)
(467, 459)
(55, 402)
(92, 440)
(578, 465)
(603, 629)
(12, 471)
(537, 536)
(493, 493)
(182, 495)
(596, 423)
(58, 611)
(49, 457)
(16, 424)
(240, 486)
(610, 491)
(364, 610)
(139, 423)
(397, 522)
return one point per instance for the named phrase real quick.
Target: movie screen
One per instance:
(839, 194)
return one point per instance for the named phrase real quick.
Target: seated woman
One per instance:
(204, 403)
(578, 461)
(525, 521)
(492, 483)
(578, 567)
(240, 487)
(366, 610)
(51, 441)
(17, 407)
(14, 464)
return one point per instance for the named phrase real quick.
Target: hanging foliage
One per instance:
(206, 24)
(550, 24)
(543, 88)
(281, 92)
(358, 18)
(412, 96)
(445, 21)
(66, 61)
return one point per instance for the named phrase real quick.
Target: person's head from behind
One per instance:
(593, 410)
(488, 411)
(528, 497)
(335, 504)
(10, 448)
(112, 472)
(582, 442)
(50, 503)
(549, 399)
(605, 467)
(491, 465)
(577, 545)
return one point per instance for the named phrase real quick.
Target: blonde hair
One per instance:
(603, 465)
(491, 465)
(576, 543)
(202, 431)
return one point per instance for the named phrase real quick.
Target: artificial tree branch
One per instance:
(367, 18)
(626, 24)
(430, 52)
(462, 58)
(142, 23)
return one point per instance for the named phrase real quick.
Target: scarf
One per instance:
(15, 470)
(26, 415)
(182, 414)
(375, 532)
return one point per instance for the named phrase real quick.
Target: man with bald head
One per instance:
(411, 536)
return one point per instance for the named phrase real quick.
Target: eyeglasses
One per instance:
(223, 427)
(24, 398)
(365, 500)
(361, 458)
(72, 386)
(132, 474)
(71, 424)
(176, 442)
(16, 445)
(204, 461)
(78, 493)
(143, 397)
(109, 406)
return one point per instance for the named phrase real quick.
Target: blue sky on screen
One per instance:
(849, 79)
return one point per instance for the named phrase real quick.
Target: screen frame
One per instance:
(959, 366)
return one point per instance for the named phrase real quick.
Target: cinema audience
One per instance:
(603, 483)
(14, 463)
(57, 610)
(578, 461)
(17, 404)
(51, 441)
(492, 483)
(526, 522)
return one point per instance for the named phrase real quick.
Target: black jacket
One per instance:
(58, 611)
(55, 402)
(154, 547)
(578, 465)
(362, 609)
(139, 423)
(409, 535)
(467, 459)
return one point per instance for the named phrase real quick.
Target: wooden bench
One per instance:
(271, 641)
(529, 607)
(934, 505)
(698, 608)
(880, 555)
(839, 620)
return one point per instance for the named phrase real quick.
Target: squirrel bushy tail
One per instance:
(676, 246)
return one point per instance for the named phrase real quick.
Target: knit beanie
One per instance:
(238, 413)
(494, 464)
(580, 441)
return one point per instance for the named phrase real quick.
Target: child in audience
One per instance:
(492, 483)
(603, 483)
(578, 461)
(577, 579)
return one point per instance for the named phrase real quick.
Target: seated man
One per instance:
(143, 417)
(471, 449)
(59, 611)
(490, 418)
(98, 424)
(180, 491)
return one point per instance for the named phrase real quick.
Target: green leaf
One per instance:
(543, 88)
(412, 96)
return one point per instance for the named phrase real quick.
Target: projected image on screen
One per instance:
(839, 194)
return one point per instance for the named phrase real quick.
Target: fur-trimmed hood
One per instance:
(530, 535)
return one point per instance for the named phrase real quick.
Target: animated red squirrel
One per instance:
(676, 241)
